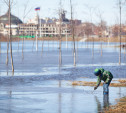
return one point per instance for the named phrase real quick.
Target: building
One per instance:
(45, 27)
(4, 24)
(37, 27)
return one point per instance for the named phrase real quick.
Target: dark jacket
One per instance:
(106, 76)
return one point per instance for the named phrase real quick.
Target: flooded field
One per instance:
(39, 85)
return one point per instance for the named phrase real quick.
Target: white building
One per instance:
(45, 27)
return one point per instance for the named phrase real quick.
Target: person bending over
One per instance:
(104, 75)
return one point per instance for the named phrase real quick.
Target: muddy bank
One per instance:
(120, 107)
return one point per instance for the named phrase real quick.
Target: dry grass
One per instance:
(84, 83)
(112, 39)
(4, 39)
(106, 39)
(122, 81)
(119, 108)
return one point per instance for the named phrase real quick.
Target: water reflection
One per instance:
(68, 100)
(60, 98)
(9, 102)
(105, 103)
(72, 102)
(60, 95)
(99, 107)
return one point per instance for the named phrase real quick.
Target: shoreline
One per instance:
(106, 39)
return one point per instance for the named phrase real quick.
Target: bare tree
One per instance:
(25, 13)
(120, 12)
(7, 50)
(42, 45)
(60, 32)
(0, 44)
(120, 4)
(115, 30)
(120, 31)
(102, 27)
(9, 4)
(0, 34)
(91, 12)
(72, 31)
(92, 28)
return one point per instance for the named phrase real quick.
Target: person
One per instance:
(104, 75)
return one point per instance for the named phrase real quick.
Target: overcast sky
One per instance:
(49, 8)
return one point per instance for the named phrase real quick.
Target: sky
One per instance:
(85, 10)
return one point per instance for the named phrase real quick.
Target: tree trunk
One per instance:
(42, 45)
(36, 41)
(10, 38)
(73, 37)
(23, 47)
(120, 33)
(93, 47)
(0, 45)
(60, 53)
(101, 46)
(7, 50)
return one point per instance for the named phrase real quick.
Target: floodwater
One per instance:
(39, 85)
